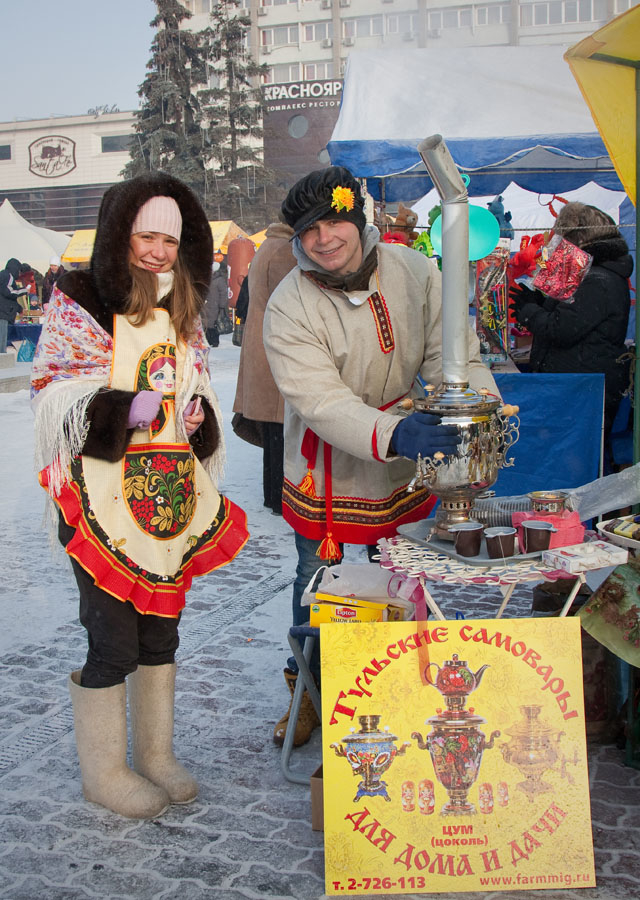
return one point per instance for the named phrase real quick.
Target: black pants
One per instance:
(119, 637)
(272, 464)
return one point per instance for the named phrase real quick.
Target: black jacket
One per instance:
(9, 306)
(587, 335)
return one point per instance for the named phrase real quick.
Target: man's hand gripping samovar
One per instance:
(483, 421)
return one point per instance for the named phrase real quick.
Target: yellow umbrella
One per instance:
(80, 246)
(606, 66)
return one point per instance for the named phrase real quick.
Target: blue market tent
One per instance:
(506, 114)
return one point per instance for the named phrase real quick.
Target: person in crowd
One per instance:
(10, 296)
(216, 300)
(52, 276)
(242, 303)
(347, 333)
(128, 435)
(27, 279)
(587, 333)
(258, 399)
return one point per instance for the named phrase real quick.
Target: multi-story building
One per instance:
(306, 43)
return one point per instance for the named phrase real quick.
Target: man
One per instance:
(258, 399)
(10, 294)
(347, 333)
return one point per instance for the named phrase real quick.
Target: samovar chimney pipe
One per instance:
(455, 255)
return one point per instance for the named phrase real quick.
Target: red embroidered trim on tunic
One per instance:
(383, 322)
(355, 520)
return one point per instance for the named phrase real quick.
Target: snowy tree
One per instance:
(168, 133)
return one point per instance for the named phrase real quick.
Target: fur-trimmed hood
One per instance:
(104, 288)
(613, 253)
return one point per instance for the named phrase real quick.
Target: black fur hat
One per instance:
(105, 288)
(311, 199)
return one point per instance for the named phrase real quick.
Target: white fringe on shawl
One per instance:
(61, 426)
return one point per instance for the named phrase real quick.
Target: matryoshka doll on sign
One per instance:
(426, 797)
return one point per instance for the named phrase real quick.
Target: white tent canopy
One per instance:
(506, 114)
(28, 243)
(530, 212)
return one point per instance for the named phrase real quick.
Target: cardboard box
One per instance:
(582, 557)
(319, 613)
(317, 801)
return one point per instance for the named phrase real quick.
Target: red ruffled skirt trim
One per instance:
(150, 594)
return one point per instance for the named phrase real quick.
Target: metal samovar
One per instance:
(370, 752)
(484, 423)
(533, 748)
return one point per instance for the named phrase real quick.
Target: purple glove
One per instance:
(144, 408)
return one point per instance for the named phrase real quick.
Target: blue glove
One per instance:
(422, 433)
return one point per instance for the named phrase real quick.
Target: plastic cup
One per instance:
(536, 535)
(467, 537)
(501, 541)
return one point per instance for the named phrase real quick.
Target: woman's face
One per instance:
(153, 251)
(164, 378)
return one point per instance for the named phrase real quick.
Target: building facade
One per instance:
(55, 171)
(306, 43)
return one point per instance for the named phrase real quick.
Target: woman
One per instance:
(588, 333)
(129, 442)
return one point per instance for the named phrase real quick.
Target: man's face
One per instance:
(334, 245)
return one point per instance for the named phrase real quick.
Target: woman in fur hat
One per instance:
(129, 445)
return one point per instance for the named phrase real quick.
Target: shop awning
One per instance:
(79, 248)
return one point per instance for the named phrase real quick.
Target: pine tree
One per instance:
(168, 129)
(232, 108)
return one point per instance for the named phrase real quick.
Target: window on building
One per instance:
(496, 14)
(406, 22)
(623, 5)
(116, 143)
(318, 31)
(557, 12)
(5, 151)
(466, 18)
(282, 74)
(275, 2)
(202, 6)
(279, 36)
(317, 71)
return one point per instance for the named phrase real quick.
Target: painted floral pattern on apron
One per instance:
(158, 486)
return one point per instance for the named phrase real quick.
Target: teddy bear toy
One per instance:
(406, 221)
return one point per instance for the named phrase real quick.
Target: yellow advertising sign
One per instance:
(454, 757)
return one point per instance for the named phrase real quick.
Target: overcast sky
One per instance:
(62, 57)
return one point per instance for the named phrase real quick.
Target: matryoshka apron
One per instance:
(154, 519)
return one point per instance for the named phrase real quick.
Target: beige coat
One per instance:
(257, 396)
(338, 368)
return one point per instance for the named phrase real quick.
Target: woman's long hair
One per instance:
(183, 302)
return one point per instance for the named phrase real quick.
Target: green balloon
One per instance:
(484, 233)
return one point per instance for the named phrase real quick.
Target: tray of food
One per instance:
(624, 531)
(422, 533)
